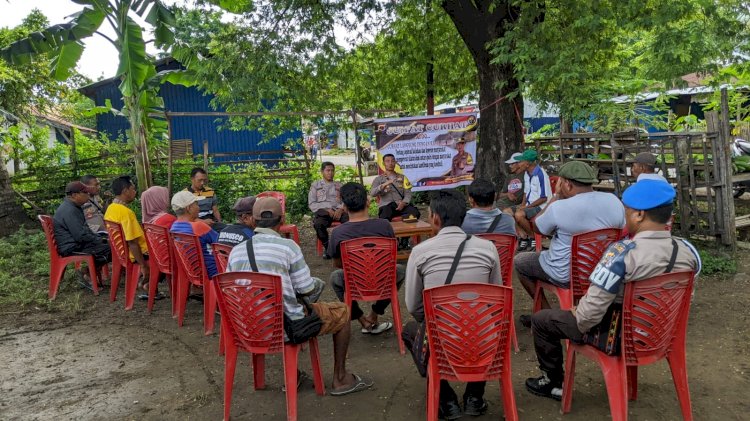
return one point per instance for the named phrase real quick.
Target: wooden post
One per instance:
(729, 237)
(357, 148)
(169, 155)
(73, 152)
(205, 155)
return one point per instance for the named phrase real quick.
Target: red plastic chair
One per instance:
(468, 331)
(506, 251)
(189, 257)
(369, 265)
(585, 252)
(57, 263)
(251, 306)
(161, 251)
(120, 260)
(654, 326)
(221, 255)
(319, 244)
(286, 230)
(538, 237)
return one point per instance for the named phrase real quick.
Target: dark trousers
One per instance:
(447, 394)
(100, 250)
(379, 307)
(549, 328)
(321, 221)
(389, 211)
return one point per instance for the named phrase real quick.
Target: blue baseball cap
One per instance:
(648, 194)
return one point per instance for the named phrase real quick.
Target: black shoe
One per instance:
(532, 245)
(403, 244)
(326, 256)
(525, 320)
(523, 244)
(544, 387)
(449, 410)
(474, 406)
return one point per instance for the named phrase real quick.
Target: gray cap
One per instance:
(244, 205)
(645, 158)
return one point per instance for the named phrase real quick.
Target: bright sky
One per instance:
(99, 57)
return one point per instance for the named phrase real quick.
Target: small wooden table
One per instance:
(402, 229)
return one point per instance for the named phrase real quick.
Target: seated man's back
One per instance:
(351, 230)
(479, 221)
(575, 215)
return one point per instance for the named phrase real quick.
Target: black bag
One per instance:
(606, 336)
(297, 331)
(420, 350)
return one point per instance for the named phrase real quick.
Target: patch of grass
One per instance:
(24, 275)
(717, 262)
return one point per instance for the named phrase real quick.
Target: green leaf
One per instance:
(65, 59)
(234, 6)
(135, 66)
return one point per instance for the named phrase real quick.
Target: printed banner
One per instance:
(433, 152)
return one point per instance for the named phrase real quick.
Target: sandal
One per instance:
(157, 297)
(360, 383)
(377, 329)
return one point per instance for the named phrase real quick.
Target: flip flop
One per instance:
(377, 329)
(157, 297)
(359, 384)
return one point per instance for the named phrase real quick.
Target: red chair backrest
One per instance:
(468, 330)
(369, 265)
(48, 225)
(281, 197)
(189, 256)
(585, 252)
(221, 255)
(117, 243)
(655, 313)
(506, 250)
(159, 247)
(251, 306)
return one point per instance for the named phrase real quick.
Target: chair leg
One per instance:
(183, 289)
(538, 240)
(433, 394)
(259, 371)
(677, 364)
(92, 274)
(230, 363)
(397, 320)
(295, 235)
(320, 387)
(290, 380)
(615, 377)
(319, 247)
(131, 284)
(632, 382)
(509, 397)
(114, 284)
(513, 335)
(570, 371)
(153, 281)
(538, 294)
(565, 298)
(56, 272)
(209, 308)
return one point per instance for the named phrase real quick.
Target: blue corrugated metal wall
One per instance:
(198, 129)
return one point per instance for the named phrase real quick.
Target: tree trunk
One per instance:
(139, 137)
(12, 215)
(501, 120)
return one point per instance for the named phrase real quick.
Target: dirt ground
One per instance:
(112, 364)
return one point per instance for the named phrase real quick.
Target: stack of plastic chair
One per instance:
(57, 263)
(286, 229)
(251, 306)
(369, 265)
(468, 331)
(506, 251)
(585, 252)
(654, 326)
(121, 260)
(161, 251)
(189, 257)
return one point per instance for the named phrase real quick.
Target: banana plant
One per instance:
(64, 44)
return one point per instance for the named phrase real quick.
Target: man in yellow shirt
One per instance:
(125, 192)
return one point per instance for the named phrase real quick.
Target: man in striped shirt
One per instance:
(283, 257)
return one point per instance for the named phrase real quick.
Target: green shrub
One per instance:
(717, 262)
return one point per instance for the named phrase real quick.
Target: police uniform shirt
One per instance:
(324, 195)
(643, 257)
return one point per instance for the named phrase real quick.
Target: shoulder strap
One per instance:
(251, 255)
(672, 259)
(454, 266)
(496, 221)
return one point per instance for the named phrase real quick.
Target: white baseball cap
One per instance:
(182, 200)
(513, 159)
